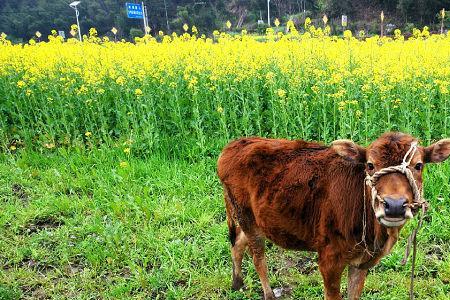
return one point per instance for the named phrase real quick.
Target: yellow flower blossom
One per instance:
(138, 92)
(120, 80)
(281, 93)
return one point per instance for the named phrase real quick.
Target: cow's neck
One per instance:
(370, 259)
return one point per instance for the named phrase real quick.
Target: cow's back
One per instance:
(294, 190)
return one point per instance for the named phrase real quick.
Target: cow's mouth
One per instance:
(391, 222)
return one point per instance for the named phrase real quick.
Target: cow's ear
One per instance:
(349, 150)
(437, 152)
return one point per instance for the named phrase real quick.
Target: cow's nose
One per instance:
(394, 207)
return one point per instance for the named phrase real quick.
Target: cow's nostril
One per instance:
(394, 207)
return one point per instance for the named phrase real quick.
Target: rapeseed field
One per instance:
(199, 92)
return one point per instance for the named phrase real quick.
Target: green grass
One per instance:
(79, 226)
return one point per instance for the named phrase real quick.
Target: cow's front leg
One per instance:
(356, 278)
(257, 245)
(331, 267)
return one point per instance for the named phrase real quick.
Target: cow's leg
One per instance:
(256, 245)
(238, 241)
(356, 279)
(331, 267)
(237, 254)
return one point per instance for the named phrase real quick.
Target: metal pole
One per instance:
(268, 12)
(442, 20)
(143, 18)
(77, 13)
(146, 16)
(167, 19)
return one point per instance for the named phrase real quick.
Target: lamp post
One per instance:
(77, 13)
(268, 12)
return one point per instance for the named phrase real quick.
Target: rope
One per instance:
(412, 239)
(418, 201)
(363, 237)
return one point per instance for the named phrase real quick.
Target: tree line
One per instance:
(20, 19)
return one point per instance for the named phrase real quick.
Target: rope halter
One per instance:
(418, 200)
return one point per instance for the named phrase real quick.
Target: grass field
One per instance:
(80, 226)
(108, 187)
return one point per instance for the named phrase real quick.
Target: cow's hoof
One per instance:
(269, 297)
(238, 283)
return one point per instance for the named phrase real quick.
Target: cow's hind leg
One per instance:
(238, 241)
(356, 279)
(256, 245)
(237, 254)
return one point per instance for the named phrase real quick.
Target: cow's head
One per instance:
(393, 188)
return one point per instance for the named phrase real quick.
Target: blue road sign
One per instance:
(134, 11)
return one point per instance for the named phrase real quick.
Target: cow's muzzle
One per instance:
(393, 212)
(394, 207)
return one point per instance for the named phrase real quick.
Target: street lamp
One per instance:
(268, 12)
(77, 13)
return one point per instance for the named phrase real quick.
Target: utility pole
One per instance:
(146, 19)
(167, 19)
(442, 20)
(143, 18)
(268, 12)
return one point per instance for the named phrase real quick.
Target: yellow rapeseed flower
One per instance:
(276, 22)
(138, 92)
(348, 34)
(120, 80)
(281, 93)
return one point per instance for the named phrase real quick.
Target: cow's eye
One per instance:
(418, 166)
(370, 166)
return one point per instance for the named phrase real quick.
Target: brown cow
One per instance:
(307, 196)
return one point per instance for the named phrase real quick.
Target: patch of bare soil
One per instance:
(19, 191)
(305, 264)
(41, 267)
(35, 292)
(41, 223)
(78, 192)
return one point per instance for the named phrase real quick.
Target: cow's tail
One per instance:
(231, 216)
